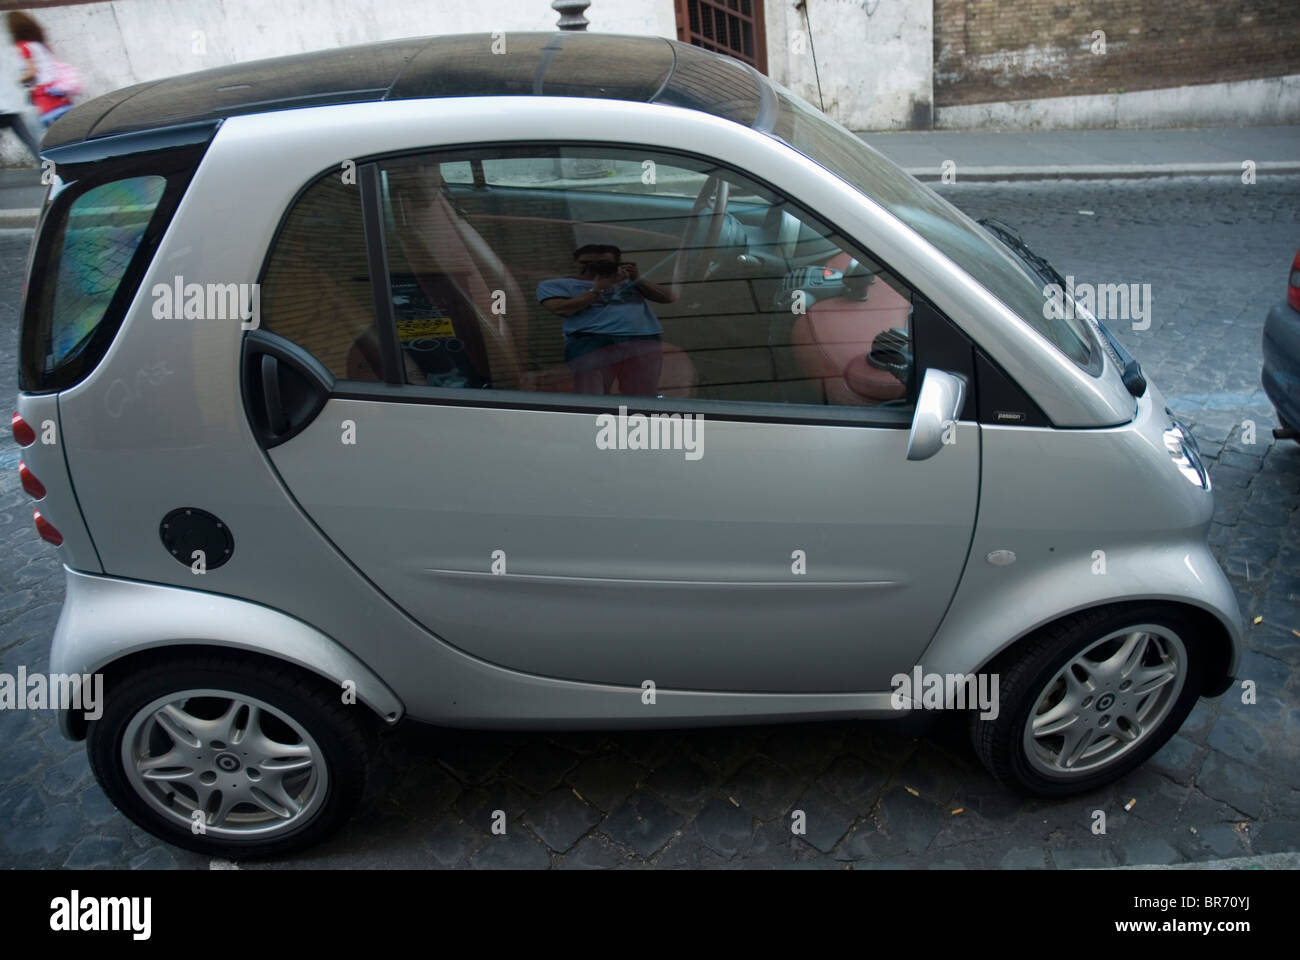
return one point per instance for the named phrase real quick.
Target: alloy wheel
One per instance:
(233, 763)
(1105, 701)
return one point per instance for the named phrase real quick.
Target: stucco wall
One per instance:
(119, 43)
(875, 58)
(126, 41)
(874, 55)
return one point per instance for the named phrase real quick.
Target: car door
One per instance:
(751, 524)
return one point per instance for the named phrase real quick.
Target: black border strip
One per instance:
(390, 353)
(755, 412)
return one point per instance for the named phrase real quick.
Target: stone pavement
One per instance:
(876, 795)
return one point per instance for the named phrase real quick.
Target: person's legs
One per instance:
(18, 124)
(589, 357)
(595, 381)
(640, 368)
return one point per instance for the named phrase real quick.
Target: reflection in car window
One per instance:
(316, 289)
(103, 229)
(604, 271)
(957, 236)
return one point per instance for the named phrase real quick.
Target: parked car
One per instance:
(1281, 374)
(601, 383)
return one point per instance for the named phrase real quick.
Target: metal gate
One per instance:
(733, 27)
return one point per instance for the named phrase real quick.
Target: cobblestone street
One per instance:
(876, 795)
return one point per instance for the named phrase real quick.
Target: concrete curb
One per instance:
(18, 219)
(1119, 171)
(20, 177)
(1267, 861)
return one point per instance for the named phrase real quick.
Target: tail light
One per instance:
(23, 432)
(46, 529)
(1293, 286)
(30, 483)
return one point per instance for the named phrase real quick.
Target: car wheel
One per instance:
(229, 757)
(1091, 697)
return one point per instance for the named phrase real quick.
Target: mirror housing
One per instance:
(942, 396)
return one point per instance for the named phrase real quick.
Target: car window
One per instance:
(566, 270)
(953, 233)
(98, 239)
(316, 286)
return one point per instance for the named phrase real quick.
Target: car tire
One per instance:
(231, 757)
(1093, 666)
(1295, 434)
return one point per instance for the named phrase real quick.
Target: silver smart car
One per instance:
(571, 381)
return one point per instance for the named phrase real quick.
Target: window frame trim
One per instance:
(756, 411)
(377, 265)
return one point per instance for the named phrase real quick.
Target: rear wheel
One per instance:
(230, 758)
(1090, 698)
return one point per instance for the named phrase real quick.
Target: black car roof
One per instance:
(605, 66)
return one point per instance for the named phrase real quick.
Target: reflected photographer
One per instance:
(610, 333)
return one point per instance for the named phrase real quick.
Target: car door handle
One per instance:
(285, 387)
(274, 403)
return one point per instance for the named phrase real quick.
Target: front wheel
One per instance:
(228, 757)
(1090, 698)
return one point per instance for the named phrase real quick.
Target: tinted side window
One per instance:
(316, 287)
(90, 241)
(610, 272)
(104, 228)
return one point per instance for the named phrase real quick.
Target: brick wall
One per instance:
(992, 50)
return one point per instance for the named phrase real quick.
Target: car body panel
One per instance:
(1111, 525)
(100, 624)
(48, 463)
(626, 566)
(1281, 374)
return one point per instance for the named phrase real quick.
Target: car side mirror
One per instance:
(937, 408)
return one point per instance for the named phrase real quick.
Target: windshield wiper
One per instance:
(1130, 370)
(1011, 239)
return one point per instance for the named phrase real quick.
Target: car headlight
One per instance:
(1186, 455)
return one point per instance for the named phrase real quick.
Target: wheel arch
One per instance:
(115, 671)
(1217, 673)
(108, 626)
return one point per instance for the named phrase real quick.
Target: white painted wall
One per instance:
(875, 57)
(118, 43)
(128, 41)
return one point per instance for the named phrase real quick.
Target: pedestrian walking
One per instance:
(52, 82)
(15, 105)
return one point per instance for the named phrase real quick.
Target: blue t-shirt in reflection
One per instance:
(626, 313)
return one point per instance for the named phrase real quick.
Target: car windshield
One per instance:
(961, 239)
